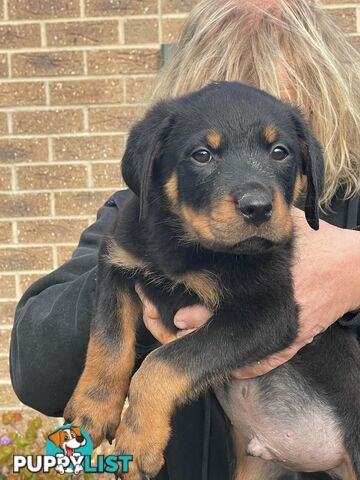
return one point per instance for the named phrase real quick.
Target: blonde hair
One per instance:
(290, 48)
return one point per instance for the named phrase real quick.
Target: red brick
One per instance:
(48, 121)
(90, 147)
(7, 310)
(29, 258)
(120, 7)
(47, 64)
(24, 205)
(7, 286)
(116, 61)
(4, 69)
(64, 254)
(107, 175)
(113, 119)
(22, 93)
(20, 36)
(141, 31)
(87, 92)
(50, 231)
(23, 150)
(171, 28)
(178, 6)
(5, 178)
(41, 9)
(3, 124)
(4, 368)
(4, 340)
(5, 232)
(8, 397)
(83, 33)
(52, 177)
(139, 89)
(26, 280)
(80, 203)
(345, 18)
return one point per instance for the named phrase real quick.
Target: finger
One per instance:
(182, 333)
(158, 330)
(265, 366)
(194, 316)
(149, 309)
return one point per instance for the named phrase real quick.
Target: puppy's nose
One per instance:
(79, 438)
(255, 207)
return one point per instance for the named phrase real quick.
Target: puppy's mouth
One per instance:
(69, 451)
(250, 246)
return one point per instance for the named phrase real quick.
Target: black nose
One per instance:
(255, 207)
(79, 438)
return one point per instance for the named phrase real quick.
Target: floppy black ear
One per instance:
(143, 148)
(313, 168)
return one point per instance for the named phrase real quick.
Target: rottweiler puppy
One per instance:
(214, 175)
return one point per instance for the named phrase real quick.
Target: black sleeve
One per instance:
(52, 321)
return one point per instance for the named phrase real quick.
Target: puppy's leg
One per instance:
(180, 370)
(98, 399)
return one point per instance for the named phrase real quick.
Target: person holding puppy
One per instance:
(291, 49)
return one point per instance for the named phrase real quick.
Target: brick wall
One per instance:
(74, 74)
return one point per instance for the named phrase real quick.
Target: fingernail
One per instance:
(180, 324)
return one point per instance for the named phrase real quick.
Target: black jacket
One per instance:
(50, 336)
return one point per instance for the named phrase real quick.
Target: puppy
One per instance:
(214, 175)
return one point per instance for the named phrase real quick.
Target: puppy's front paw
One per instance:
(146, 442)
(99, 419)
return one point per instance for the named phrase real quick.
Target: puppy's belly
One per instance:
(274, 424)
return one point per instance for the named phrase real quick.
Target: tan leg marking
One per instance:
(145, 430)
(214, 139)
(99, 396)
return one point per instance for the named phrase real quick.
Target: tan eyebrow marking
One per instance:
(270, 133)
(214, 139)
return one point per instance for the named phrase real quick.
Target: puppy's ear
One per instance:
(312, 167)
(57, 437)
(143, 148)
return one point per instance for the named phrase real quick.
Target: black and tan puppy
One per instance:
(214, 175)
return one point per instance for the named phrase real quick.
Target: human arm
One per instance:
(52, 322)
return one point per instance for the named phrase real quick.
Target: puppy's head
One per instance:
(228, 162)
(68, 438)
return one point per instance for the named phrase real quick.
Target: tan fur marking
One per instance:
(299, 187)
(281, 219)
(214, 139)
(121, 258)
(171, 189)
(205, 285)
(150, 409)
(270, 133)
(199, 222)
(109, 370)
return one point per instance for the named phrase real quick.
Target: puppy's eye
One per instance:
(279, 153)
(202, 156)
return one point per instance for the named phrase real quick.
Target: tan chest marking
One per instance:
(205, 285)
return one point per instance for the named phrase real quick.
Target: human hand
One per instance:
(187, 319)
(326, 278)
